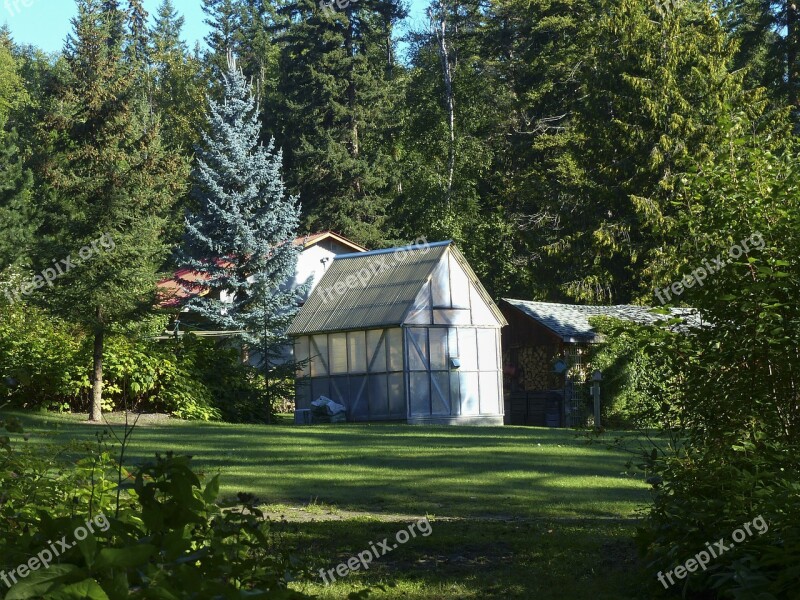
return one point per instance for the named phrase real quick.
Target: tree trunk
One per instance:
(793, 55)
(440, 31)
(96, 413)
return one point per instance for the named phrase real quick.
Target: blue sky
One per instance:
(45, 23)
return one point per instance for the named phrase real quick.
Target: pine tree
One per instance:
(17, 211)
(109, 181)
(338, 90)
(178, 88)
(224, 19)
(241, 235)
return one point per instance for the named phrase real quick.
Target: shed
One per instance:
(402, 334)
(545, 350)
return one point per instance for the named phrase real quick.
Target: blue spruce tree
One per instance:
(240, 232)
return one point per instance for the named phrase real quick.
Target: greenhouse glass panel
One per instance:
(394, 345)
(452, 342)
(455, 393)
(319, 355)
(302, 396)
(320, 386)
(340, 391)
(420, 313)
(459, 285)
(378, 396)
(440, 285)
(301, 356)
(451, 316)
(438, 356)
(481, 313)
(469, 394)
(358, 397)
(468, 349)
(376, 347)
(338, 352)
(357, 351)
(397, 397)
(420, 394)
(418, 349)
(487, 349)
(490, 393)
(440, 393)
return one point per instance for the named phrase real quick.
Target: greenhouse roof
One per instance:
(374, 289)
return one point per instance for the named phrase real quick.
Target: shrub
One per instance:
(158, 532)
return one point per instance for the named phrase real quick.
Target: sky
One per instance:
(46, 23)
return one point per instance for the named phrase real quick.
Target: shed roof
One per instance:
(388, 282)
(571, 321)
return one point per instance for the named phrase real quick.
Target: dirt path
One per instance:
(305, 514)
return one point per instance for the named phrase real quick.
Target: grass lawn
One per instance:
(516, 512)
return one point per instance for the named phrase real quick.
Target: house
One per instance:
(404, 334)
(318, 250)
(545, 353)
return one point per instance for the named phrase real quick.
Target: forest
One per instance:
(557, 143)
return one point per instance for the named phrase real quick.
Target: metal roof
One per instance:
(571, 321)
(389, 282)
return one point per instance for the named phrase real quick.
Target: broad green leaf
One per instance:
(39, 582)
(123, 557)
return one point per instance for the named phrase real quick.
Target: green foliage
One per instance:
(44, 364)
(155, 533)
(734, 450)
(639, 384)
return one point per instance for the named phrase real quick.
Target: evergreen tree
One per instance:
(110, 181)
(338, 91)
(224, 18)
(767, 36)
(241, 235)
(178, 88)
(138, 44)
(456, 108)
(17, 213)
(653, 92)
(167, 28)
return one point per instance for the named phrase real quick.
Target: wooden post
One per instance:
(597, 377)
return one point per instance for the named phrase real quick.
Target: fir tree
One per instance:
(241, 235)
(337, 114)
(109, 180)
(178, 89)
(17, 211)
(224, 19)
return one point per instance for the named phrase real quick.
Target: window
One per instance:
(338, 353)
(357, 351)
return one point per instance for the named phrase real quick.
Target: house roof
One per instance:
(571, 321)
(174, 291)
(311, 239)
(383, 296)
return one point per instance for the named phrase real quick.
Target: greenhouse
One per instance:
(406, 334)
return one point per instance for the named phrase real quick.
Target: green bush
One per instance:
(638, 382)
(734, 424)
(155, 533)
(45, 363)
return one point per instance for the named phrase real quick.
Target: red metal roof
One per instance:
(186, 283)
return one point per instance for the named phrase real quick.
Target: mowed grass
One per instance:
(443, 471)
(516, 512)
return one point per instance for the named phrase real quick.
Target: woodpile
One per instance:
(533, 368)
